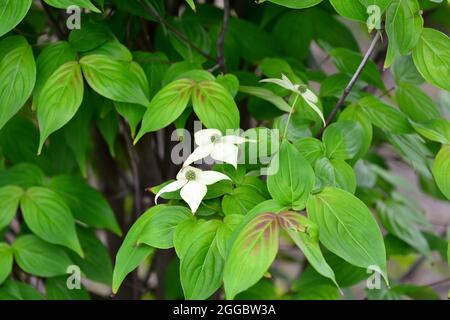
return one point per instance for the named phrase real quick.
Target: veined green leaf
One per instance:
(435, 130)
(9, 198)
(86, 204)
(56, 289)
(343, 139)
(48, 216)
(296, 4)
(384, 116)
(40, 258)
(404, 25)
(257, 245)
(159, 229)
(12, 13)
(49, 60)
(59, 99)
(111, 79)
(6, 261)
(266, 95)
(291, 178)
(17, 76)
(130, 254)
(64, 4)
(304, 234)
(214, 106)
(442, 170)
(415, 103)
(166, 106)
(201, 266)
(432, 58)
(348, 229)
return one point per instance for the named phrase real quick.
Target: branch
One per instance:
(221, 39)
(59, 31)
(352, 82)
(154, 13)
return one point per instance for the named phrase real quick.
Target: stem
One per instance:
(154, 13)
(352, 82)
(221, 39)
(289, 117)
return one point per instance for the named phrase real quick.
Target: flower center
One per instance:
(190, 175)
(302, 88)
(214, 138)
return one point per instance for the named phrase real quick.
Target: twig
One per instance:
(352, 82)
(221, 39)
(59, 31)
(152, 11)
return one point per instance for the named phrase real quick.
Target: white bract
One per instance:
(212, 143)
(300, 89)
(192, 182)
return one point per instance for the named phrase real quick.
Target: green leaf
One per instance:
(6, 261)
(335, 173)
(241, 200)
(311, 149)
(201, 265)
(113, 49)
(415, 103)
(384, 116)
(49, 60)
(48, 216)
(96, 264)
(86, 204)
(40, 258)
(404, 24)
(404, 71)
(130, 254)
(59, 99)
(343, 139)
(155, 65)
(191, 4)
(225, 232)
(109, 128)
(134, 112)
(17, 76)
(14, 290)
(257, 245)
(111, 79)
(304, 234)
(397, 220)
(64, 4)
(12, 13)
(91, 36)
(9, 198)
(291, 178)
(432, 58)
(353, 10)
(435, 130)
(229, 82)
(442, 170)
(266, 95)
(348, 229)
(166, 106)
(348, 61)
(24, 175)
(356, 113)
(214, 106)
(159, 229)
(56, 289)
(296, 4)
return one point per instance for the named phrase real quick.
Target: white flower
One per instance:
(192, 182)
(212, 143)
(309, 96)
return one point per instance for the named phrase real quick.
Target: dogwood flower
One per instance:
(212, 143)
(309, 96)
(192, 182)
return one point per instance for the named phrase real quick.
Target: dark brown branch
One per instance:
(54, 22)
(154, 13)
(221, 39)
(352, 82)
